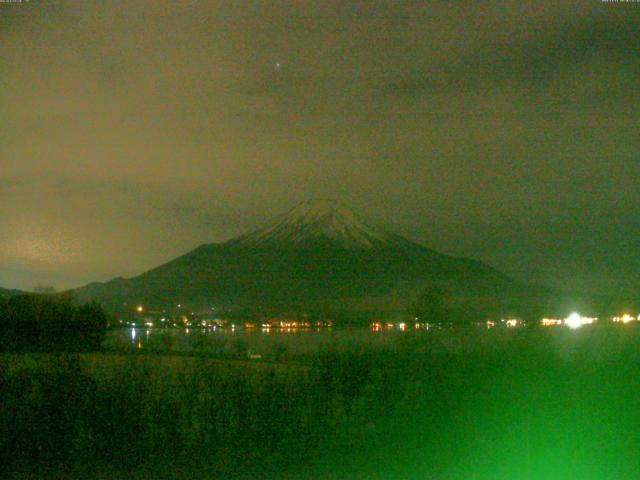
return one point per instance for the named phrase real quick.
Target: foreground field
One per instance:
(552, 404)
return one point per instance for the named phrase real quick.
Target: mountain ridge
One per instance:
(320, 251)
(8, 292)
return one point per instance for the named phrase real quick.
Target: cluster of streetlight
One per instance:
(575, 320)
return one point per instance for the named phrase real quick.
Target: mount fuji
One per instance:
(320, 223)
(318, 253)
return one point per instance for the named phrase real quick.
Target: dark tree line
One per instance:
(47, 323)
(436, 305)
(433, 305)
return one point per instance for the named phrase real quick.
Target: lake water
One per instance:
(269, 343)
(296, 344)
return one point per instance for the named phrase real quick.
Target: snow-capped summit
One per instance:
(319, 223)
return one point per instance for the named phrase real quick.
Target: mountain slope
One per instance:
(6, 293)
(318, 251)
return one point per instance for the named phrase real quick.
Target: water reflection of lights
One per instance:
(133, 334)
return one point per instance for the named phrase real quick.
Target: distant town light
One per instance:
(550, 322)
(140, 308)
(512, 322)
(575, 320)
(626, 318)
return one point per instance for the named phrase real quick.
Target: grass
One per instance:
(528, 404)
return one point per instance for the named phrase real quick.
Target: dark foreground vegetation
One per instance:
(529, 404)
(50, 323)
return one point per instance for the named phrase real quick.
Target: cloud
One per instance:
(134, 132)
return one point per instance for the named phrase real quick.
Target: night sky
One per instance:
(133, 131)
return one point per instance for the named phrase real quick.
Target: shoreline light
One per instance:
(550, 322)
(626, 318)
(575, 320)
